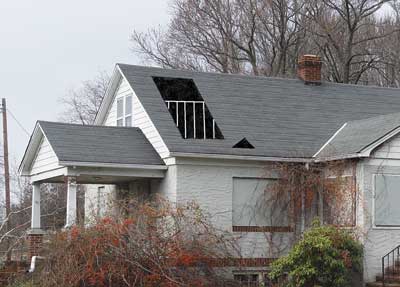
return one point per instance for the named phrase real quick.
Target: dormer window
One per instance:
(124, 111)
(188, 108)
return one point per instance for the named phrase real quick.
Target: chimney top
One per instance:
(309, 69)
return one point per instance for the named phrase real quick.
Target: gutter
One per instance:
(112, 165)
(240, 157)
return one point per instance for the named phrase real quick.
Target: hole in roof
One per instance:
(188, 108)
(243, 143)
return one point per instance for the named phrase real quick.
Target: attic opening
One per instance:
(188, 108)
(243, 143)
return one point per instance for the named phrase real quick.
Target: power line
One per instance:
(18, 122)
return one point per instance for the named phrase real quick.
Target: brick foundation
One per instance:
(35, 242)
(262, 229)
(242, 262)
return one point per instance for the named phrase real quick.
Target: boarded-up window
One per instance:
(339, 199)
(254, 203)
(387, 199)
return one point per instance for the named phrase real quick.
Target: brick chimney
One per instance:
(309, 69)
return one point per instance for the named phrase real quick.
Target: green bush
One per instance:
(326, 256)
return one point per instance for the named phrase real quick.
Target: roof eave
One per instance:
(30, 150)
(109, 95)
(113, 165)
(340, 157)
(241, 157)
(367, 150)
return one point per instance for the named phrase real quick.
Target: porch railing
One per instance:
(391, 264)
(195, 121)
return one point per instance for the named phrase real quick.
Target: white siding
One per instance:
(140, 118)
(122, 90)
(378, 241)
(390, 149)
(45, 158)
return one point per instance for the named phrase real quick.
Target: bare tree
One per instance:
(81, 104)
(266, 37)
(345, 32)
(240, 36)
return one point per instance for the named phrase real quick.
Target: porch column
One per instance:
(35, 219)
(71, 202)
(35, 235)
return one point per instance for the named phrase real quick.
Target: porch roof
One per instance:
(60, 148)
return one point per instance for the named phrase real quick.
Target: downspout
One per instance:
(33, 263)
(303, 203)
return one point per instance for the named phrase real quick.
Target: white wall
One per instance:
(45, 159)
(139, 118)
(91, 200)
(122, 90)
(210, 184)
(390, 149)
(378, 241)
(167, 187)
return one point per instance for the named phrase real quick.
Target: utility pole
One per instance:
(6, 171)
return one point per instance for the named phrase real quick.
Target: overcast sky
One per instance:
(48, 47)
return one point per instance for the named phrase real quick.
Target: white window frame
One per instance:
(120, 118)
(125, 115)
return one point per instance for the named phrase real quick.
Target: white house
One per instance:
(214, 139)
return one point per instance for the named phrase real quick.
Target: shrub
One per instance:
(325, 256)
(155, 245)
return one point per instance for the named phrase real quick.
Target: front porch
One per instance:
(74, 155)
(72, 176)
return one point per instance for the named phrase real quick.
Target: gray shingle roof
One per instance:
(99, 144)
(357, 135)
(280, 117)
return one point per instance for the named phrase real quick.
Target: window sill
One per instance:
(382, 227)
(262, 229)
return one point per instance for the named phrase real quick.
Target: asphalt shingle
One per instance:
(357, 135)
(280, 117)
(99, 144)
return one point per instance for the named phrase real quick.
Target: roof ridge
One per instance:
(258, 77)
(211, 73)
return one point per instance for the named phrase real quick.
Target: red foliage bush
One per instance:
(155, 245)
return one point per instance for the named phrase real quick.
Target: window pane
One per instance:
(254, 203)
(120, 107)
(128, 105)
(387, 197)
(120, 123)
(128, 121)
